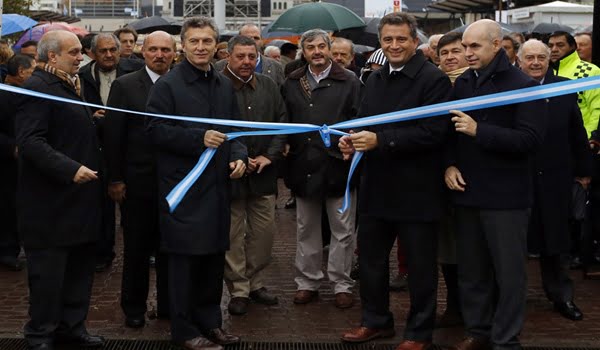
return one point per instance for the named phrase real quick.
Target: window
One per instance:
(274, 6)
(285, 5)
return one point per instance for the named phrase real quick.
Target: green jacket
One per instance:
(572, 67)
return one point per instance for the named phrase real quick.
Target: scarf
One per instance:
(62, 75)
(456, 73)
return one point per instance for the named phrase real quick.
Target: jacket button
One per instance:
(540, 173)
(308, 176)
(249, 107)
(309, 139)
(392, 144)
(311, 105)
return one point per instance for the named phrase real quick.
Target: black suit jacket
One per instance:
(496, 163)
(55, 139)
(128, 151)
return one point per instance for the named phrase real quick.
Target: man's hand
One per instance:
(99, 113)
(213, 138)
(286, 150)
(464, 123)
(584, 181)
(84, 174)
(345, 146)
(116, 192)
(454, 179)
(364, 141)
(257, 164)
(237, 169)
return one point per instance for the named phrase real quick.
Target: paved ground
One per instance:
(320, 321)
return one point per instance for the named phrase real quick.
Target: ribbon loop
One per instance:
(324, 131)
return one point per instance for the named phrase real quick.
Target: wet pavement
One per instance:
(316, 322)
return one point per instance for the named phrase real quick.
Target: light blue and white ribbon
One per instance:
(487, 101)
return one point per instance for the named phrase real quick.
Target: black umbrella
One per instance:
(548, 28)
(369, 35)
(150, 24)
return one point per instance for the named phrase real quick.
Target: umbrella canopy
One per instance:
(267, 34)
(13, 23)
(548, 28)
(36, 33)
(368, 35)
(150, 24)
(323, 15)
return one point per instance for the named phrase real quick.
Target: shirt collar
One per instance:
(324, 74)
(395, 69)
(153, 75)
(238, 82)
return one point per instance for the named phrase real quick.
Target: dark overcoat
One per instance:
(403, 176)
(496, 163)
(55, 139)
(200, 224)
(8, 163)
(565, 154)
(127, 148)
(314, 170)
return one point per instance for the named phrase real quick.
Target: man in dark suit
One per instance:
(96, 81)
(564, 158)
(196, 233)
(401, 187)
(19, 69)
(489, 173)
(59, 198)
(132, 179)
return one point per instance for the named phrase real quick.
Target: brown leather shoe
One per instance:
(200, 343)
(363, 334)
(305, 296)
(220, 337)
(471, 343)
(344, 300)
(413, 345)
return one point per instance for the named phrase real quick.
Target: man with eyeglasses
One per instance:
(96, 80)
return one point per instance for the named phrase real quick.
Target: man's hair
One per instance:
(19, 61)
(249, 24)
(345, 41)
(396, 19)
(286, 48)
(95, 39)
(86, 42)
(199, 22)
(240, 40)
(583, 33)
(271, 48)
(532, 42)
(447, 39)
(570, 39)
(51, 41)
(5, 53)
(311, 35)
(126, 30)
(516, 35)
(29, 43)
(514, 42)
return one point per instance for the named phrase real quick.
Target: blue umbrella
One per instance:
(13, 23)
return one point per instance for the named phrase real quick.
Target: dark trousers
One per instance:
(491, 254)
(195, 289)
(105, 248)
(141, 239)
(557, 284)
(9, 240)
(375, 240)
(60, 286)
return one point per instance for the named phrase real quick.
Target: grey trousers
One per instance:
(492, 279)
(309, 248)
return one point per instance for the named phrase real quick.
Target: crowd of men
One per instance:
(466, 191)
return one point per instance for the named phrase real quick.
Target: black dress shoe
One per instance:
(262, 296)
(568, 310)
(135, 322)
(218, 336)
(84, 340)
(238, 306)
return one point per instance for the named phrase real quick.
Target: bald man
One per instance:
(132, 179)
(490, 178)
(433, 45)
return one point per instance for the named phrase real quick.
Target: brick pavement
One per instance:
(316, 322)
